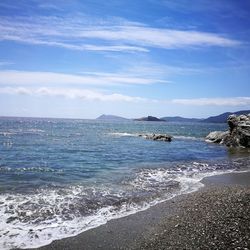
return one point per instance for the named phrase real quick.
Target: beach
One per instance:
(216, 216)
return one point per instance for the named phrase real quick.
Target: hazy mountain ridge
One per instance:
(180, 119)
(111, 118)
(222, 118)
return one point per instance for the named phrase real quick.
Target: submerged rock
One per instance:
(157, 137)
(238, 134)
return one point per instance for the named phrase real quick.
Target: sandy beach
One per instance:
(215, 217)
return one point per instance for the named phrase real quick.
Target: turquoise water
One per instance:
(59, 177)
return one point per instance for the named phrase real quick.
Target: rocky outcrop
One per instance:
(150, 119)
(238, 134)
(216, 136)
(157, 137)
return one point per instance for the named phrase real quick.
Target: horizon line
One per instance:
(77, 118)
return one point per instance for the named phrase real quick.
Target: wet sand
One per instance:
(215, 217)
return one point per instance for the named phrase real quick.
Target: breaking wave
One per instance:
(11, 132)
(180, 137)
(120, 134)
(39, 217)
(28, 169)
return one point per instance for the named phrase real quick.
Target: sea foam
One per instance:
(36, 219)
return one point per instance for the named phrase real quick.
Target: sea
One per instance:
(60, 177)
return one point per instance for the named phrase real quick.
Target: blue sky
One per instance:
(83, 58)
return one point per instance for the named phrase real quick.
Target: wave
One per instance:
(6, 133)
(120, 134)
(28, 169)
(11, 132)
(38, 218)
(182, 137)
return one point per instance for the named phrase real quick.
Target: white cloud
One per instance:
(155, 37)
(164, 69)
(113, 48)
(234, 101)
(71, 46)
(13, 77)
(85, 34)
(5, 63)
(94, 95)
(49, 6)
(72, 93)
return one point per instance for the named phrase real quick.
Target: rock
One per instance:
(216, 136)
(232, 122)
(10, 219)
(150, 119)
(238, 134)
(157, 137)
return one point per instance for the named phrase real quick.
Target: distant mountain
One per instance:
(222, 118)
(111, 118)
(150, 119)
(180, 119)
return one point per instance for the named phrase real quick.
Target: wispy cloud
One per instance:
(234, 101)
(95, 95)
(85, 94)
(161, 38)
(202, 5)
(98, 35)
(164, 69)
(71, 46)
(5, 63)
(49, 6)
(13, 77)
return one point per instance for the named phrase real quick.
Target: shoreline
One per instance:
(135, 231)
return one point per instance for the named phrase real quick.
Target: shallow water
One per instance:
(59, 177)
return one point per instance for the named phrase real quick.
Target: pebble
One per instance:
(214, 218)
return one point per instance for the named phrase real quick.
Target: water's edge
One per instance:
(206, 181)
(118, 216)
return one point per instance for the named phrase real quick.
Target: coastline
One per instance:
(150, 229)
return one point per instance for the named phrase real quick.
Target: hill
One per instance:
(150, 119)
(111, 118)
(180, 119)
(222, 118)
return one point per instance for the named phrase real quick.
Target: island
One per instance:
(150, 119)
(111, 118)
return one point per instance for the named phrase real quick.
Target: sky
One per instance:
(132, 58)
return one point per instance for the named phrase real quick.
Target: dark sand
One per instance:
(215, 217)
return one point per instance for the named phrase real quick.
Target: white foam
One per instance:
(21, 234)
(21, 131)
(29, 169)
(30, 230)
(119, 134)
(182, 137)
(35, 130)
(6, 133)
